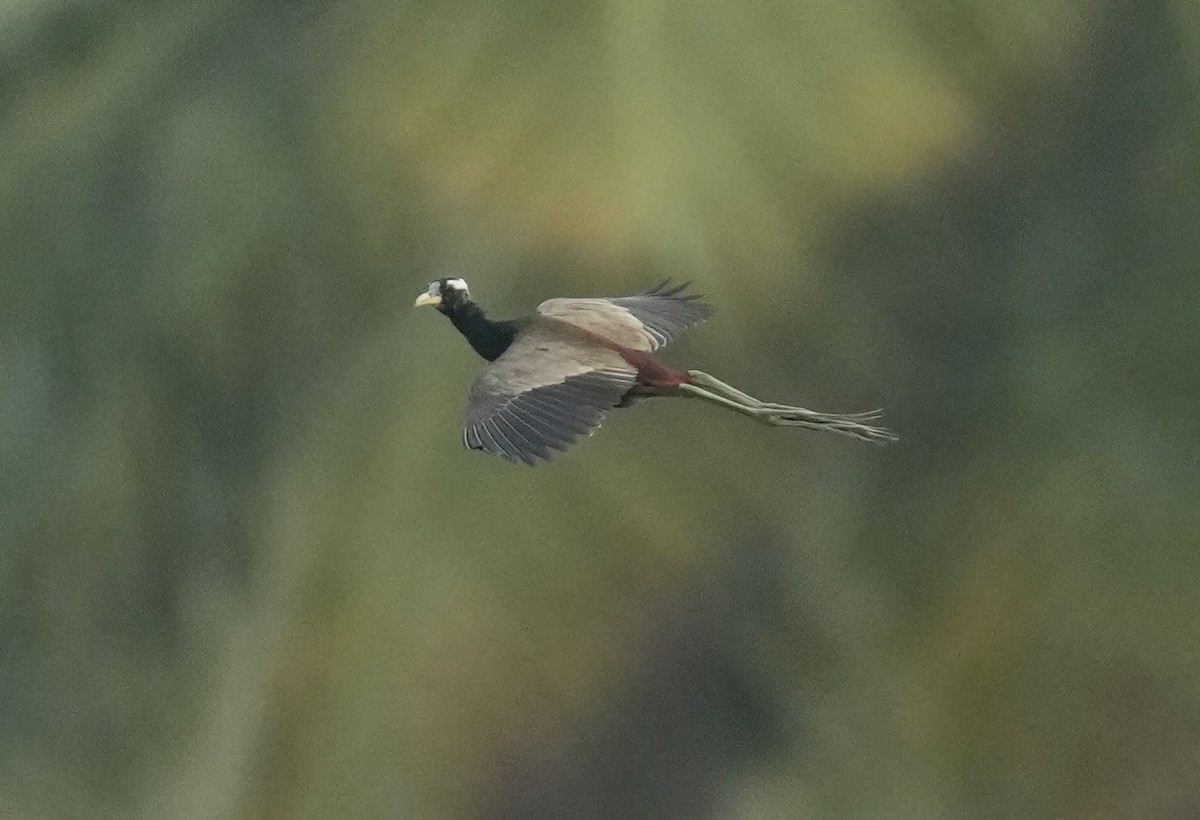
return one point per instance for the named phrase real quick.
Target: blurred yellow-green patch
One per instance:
(249, 571)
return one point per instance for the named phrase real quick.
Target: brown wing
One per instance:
(645, 321)
(548, 388)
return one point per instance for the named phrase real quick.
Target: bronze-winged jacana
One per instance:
(553, 375)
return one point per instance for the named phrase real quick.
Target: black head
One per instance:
(447, 295)
(489, 337)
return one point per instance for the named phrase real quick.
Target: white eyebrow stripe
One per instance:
(457, 284)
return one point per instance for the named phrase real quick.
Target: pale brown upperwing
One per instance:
(645, 321)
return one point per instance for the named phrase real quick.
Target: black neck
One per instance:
(489, 338)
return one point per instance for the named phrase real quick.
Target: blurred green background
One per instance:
(248, 571)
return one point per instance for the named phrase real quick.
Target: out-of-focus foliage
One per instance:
(248, 571)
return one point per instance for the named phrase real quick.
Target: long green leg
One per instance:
(717, 386)
(714, 390)
(759, 413)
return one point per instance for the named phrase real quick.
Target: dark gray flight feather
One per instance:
(664, 311)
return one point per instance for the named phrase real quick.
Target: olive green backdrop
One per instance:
(247, 570)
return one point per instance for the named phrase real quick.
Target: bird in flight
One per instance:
(553, 375)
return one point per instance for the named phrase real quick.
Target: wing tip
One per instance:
(662, 291)
(497, 443)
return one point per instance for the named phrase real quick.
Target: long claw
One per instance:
(862, 432)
